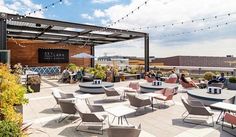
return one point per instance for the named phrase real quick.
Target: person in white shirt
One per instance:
(173, 75)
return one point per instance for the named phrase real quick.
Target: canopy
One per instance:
(82, 55)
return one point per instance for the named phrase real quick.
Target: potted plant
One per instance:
(72, 67)
(232, 83)
(208, 75)
(116, 77)
(17, 69)
(100, 74)
(33, 83)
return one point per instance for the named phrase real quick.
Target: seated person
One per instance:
(158, 76)
(172, 78)
(220, 79)
(65, 75)
(150, 76)
(187, 83)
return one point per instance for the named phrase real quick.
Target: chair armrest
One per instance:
(96, 108)
(201, 110)
(143, 100)
(67, 100)
(91, 117)
(196, 103)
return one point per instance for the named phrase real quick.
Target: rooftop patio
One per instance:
(162, 122)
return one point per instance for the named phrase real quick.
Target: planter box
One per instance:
(35, 87)
(116, 79)
(231, 86)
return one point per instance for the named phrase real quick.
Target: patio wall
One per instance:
(27, 53)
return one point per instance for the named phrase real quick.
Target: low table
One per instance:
(120, 112)
(148, 87)
(89, 87)
(224, 107)
(207, 98)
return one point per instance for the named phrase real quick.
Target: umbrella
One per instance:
(82, 56)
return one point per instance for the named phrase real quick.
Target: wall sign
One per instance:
(53, 55)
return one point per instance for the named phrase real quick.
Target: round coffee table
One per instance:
(208, 98)
(89, 87)
(148, 87)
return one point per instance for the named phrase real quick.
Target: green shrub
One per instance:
(133, 70)
(34, 80)
(72, 67)
(208, 75)
(11, 94)
(10, 129)
(100, 74)
(232, 79)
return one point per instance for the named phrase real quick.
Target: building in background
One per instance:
(198, 61)
(122, 60)
(112, 60)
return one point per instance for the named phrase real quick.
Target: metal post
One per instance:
(92, 53)
(3, 38)
(146, 52)
(3, 32)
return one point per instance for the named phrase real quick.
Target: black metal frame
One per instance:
(89, 131)
(232, 127)
(185, 120)
(54, 31)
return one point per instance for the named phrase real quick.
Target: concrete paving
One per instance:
(162, 122)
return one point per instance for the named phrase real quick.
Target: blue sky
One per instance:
(214, 42)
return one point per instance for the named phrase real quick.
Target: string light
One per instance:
(185, 22)
(117, 21)
(198, 30)
(18, 44)
(35, 11)
(128, 14)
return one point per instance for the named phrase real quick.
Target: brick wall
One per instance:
(27, 54)
(169, 61)
(205, 61)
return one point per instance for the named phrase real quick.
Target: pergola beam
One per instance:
(59, 37)
(65, 32)
(52, 41)
(72, 25)
(32, 28)
(45, 30)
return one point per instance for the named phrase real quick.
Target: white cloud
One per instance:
(67, 2)
(1, 2)
(104, 22)
(3, 8)
(162, 12)
(103, 1)
(30, 4)
(99, 13)
(86, 16)
(21, 7)
(220, 47)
